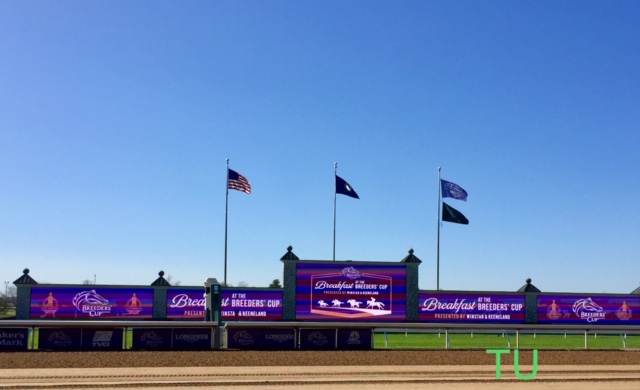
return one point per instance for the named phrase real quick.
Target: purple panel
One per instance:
(247, 305)
(355, 339)
(151, 339)
(14, 339)
(317, 339)
(358, 292)
(279, 339)
(471, 307)
(59, 338)
(102, 339)
(185, 304)
(93, 303)
(588, 309)
(251, 338)
(244, 338)
(237, 304)
(192, 338)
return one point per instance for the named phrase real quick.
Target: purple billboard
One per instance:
(185, 304)
(14, 338)
(237, 305)
(471, 307)
(91, 302)
(261, 338)
(358, 292)
(588, 309)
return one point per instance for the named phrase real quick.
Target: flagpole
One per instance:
(335, 173)
(226, 218)
(438, 245)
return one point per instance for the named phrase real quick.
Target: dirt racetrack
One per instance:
(339, 370)
(39, 359)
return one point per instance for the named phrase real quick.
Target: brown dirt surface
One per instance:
(42, 359)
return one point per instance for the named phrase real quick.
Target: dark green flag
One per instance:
(450, 214)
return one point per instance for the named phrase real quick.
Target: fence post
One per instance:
(586, 339)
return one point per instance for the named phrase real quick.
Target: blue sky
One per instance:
(116, 120)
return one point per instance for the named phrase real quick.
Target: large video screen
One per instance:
(358, 292)
(91, 302)
(471, 307)
(588, 309)
(237, 304)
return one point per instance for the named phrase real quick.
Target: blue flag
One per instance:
(452, 190)
(342, 187)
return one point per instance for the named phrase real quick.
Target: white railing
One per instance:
(447, 327)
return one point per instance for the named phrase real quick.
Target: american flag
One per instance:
(238, 182)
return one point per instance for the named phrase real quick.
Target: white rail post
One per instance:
(586, 339)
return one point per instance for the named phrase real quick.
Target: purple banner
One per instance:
(355, 339)
(588, 309)
(102, 339)
(59, 338)
(253, 338)
(470, 307)
(354, 292)
(185, 304)
(237, 304)
(151, 339)
(91, 302)
(317, 339)
(13, 339)
(192, 338)
(244, 305)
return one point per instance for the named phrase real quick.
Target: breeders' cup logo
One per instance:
(243, 338)
(60, 339)
(91, 303)
(588, 310)
(317, 338)
(151, 339)
(351, 273)
(624, 312)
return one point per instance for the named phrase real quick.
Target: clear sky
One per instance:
(116, 119)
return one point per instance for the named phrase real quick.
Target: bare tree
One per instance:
(242, 283)
(176, 283)
(87, 281)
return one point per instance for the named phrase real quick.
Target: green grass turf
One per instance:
(487, 341)
(8, 314)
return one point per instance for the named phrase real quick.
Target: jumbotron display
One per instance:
(359, 292)
(237, 305)
(471, 307)
(91, 302)
(588, 309)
